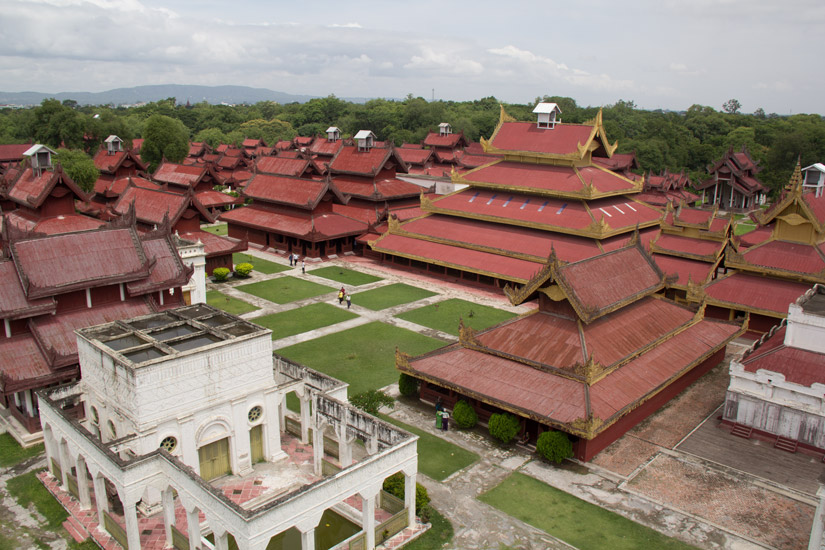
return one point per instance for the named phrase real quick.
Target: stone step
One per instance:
(785, 444)
(75, 529)
(740, 430)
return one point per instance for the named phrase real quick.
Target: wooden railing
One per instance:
(179, 540)
(390, 527)
(73, 489)
(56, 471)
(391, 503)
(115, 529)
(293, 427)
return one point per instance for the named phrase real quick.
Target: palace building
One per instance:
(178, 432)
(733, 184)
(545, 191)
(602, 352)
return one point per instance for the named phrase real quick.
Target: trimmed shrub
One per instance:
(243, 270)
(554, 446)
(220, 274)
(464, 415)
(371, 401)
(394, 485)
(504, 427)
(407, 385)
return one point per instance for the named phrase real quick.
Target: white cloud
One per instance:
(345, 26)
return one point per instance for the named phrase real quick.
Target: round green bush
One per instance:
(554, 446)
(407, 385)
(464, 415)
(504, 427)
(243, 269)
(394, 485)
(220, 274)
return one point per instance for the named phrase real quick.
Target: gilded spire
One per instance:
(795, 183)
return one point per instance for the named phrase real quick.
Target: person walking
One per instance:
(349, 301)
(290, 259)
(341, 294)
(303, 267)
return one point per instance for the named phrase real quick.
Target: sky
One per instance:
(661, 54)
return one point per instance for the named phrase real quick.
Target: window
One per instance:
(169, 443)
(112, 430)
(95, 416)
(255, 414)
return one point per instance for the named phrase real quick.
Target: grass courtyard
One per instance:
(389, 296)
(444, 315)
(438, 459)
(228, 303)
(363, 356)
(12, 453)
(261, 266)
(285, 289)
(303, 319)
(345, 276)
(221, 229)
(576, 522)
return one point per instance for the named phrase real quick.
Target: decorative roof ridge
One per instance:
(762, 340)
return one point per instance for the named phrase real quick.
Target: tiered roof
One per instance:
(741, 170)
(542, 187)
(598, 348)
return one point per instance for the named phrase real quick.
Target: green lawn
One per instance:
(228, 303)
(363, 356)
(742, 228)
(444, 315)
(216, 229)
(345, 276)
(389, 296)
(285, 289)
(436, 537)
(576, 522)
(437, 458)
(261, 266)
(304, 319)
(27, 489)
(12, 453)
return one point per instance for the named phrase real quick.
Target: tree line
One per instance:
(689, 140)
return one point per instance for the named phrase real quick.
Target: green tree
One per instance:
(554, 446)
(464, 415)
(504, 427)
(407, 385)
(211, 136)
(731, 106)
(164, 138)
(371, 401)
(79, 166)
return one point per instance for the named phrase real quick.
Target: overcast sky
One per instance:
(659, 53)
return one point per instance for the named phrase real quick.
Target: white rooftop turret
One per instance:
(365, 140)
(548, 115)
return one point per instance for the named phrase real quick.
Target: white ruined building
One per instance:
(186, 430)
(777, 388)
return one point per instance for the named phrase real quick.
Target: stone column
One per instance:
(83, 484)
(305, 412)
(221, 541)
(65, 465)
(130, 515)
(189, 448)
(273, 424)
(243, 457)
(168, 501)
(318, 429)
(368, 515)
(101, 498)
(308, 539)
(193, 528)
(409, 498)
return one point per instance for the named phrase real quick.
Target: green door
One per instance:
(256, 443)
(214, 459)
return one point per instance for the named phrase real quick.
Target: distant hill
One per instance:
(182, 92)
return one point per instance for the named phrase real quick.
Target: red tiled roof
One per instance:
(632, 275)
(407, 212)
(415, 156)
(787, 256)
(758, 235)
(685, 268)
(22, 360)
(57, 331)
(817, 205)
(325, 147)
(350, 160)
(31, 190)
(13, 301)
(469, 160)
(548, 178)
(152, 205)
(179, 174)
(510, 239)
(619, 161)
(110, 163)
(66, 224)
(215, 245)
(13, 152)
(646, 235)
(368, 213)
(168, 270)
(689, 246)
(526, 136)
(693, 216)
(215, 199)
(446, 157)
(299, 192)
(303, 141)
(798, 366)
(283, 166)
(435, 139)
(506, 267)
(391, 188)
(313, 227)
(71, 261)
(752, 292)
